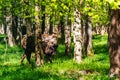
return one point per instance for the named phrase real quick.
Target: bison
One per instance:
(49, 44)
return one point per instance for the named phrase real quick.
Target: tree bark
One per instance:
(62, 28)
(27, 20)
(38, 39)
(2, 30)
(28, 26)
(11, 41)
(19, 30)
(97, 28)
(77, 37)
(43, 18)
(114, 43)
(88, 50)
(47, 23)
(103, 29)
(68, 36)
(16, 31)
(51, 25)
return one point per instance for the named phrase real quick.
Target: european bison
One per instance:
(49, 43)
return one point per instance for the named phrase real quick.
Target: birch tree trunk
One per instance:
(103, 29)
(38, 32)
(62, 27)
(77, 37)
(19, 30)
(17, 33)
(27, 20)
(89, 47)
(68, 36)
(2, 30)
(28, 26)
(47, 23)
(97, 28)
(11, 41)
(88, 50)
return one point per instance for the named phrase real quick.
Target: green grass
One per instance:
(62, 68)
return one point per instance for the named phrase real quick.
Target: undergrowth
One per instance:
(94, 67)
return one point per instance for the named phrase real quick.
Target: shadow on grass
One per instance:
(100, 44)
(16, 72)
(98, 49)
(98, 36)
(61, 53)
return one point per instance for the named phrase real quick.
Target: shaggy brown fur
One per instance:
(49, 43)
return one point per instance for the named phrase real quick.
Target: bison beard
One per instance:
(49, 46)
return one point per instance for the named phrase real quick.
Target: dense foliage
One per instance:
(96, 9)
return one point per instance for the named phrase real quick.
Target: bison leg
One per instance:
(49, 58)
(28, 55)
(23, 57)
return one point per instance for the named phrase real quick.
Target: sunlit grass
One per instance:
(62, 68)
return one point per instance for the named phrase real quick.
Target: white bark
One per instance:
(77, 37)
(68, 39)
(19, 36)
(67, 31)
(103, 30)
(38, 31)
(97, 28)
(47, 25)
(9, 31)
(2, 31)
(89, 47)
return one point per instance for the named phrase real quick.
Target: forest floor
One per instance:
(94, 67)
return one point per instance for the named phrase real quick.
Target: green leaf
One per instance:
(53, 0)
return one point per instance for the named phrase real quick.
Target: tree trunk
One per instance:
(19, 30)
(68, 36)
(16, 30)
(86, 36)
(9, 30)
(77, 37)
(88, 50)
(27, 20)
(103, 30)
(47, 23)
(43, 18)
(38, 32)
(114, 43)
(97, 28)
(2, 30)
(61, 25)
(28, 26)
(51, 25)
